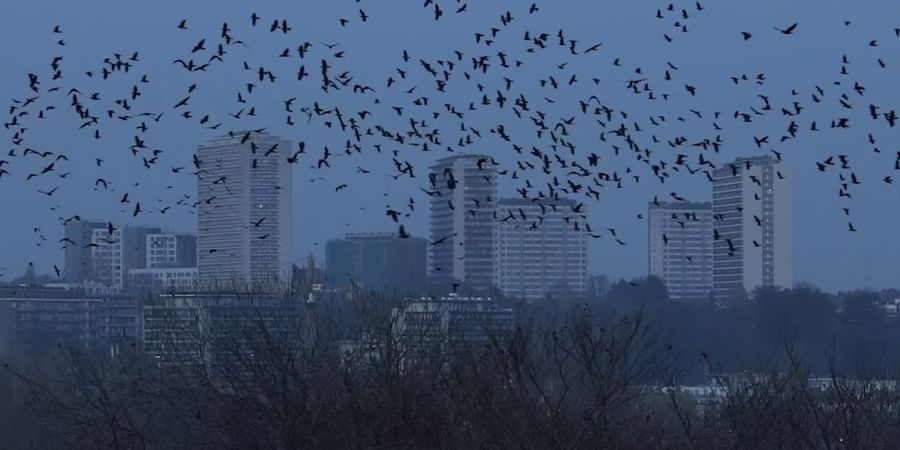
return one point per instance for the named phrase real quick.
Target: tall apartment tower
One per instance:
(541, 248)
(752, 221)
(463, 204)
(245, 214)
(681, 248)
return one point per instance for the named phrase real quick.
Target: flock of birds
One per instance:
(465, 101)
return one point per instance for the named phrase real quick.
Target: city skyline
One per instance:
(348, 224)
(537, 246)
(864, 261)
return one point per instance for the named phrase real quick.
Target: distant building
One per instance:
(120, 319)
(681, 248)
(34, 319)
(170, 279)
(378, 261)
(165, 250)
(79, 266)
(463, 204)
(95, 255)
(428, 326)
(91, 288)
(92, 254)
(541, 248)
(245, 229)
(891, 308)
(107, 263)
(753, 223)
(220, 332)
(134, 247)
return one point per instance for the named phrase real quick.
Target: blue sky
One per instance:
(712, 51)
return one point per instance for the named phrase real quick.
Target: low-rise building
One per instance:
(221, 332)
(431, 326)
(379, 261)
(175, 279)
(35, 318)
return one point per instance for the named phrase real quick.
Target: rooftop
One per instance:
(548, 202)
(681, 205)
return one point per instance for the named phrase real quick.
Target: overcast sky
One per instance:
(826, 253)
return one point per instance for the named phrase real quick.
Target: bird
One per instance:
(199, 46)
(50, 192)
(788, 30)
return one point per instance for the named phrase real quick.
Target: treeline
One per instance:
(851, 332)
(603, 372)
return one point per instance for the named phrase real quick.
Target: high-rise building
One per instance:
(166, 250)
(752, 227)
(541, 248)
(463, 203)
(80, 234)
(377, 261)
(681, 248)
(244, 211)
(134, 246)
(107, 265)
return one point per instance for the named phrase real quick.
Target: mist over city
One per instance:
(449, 224)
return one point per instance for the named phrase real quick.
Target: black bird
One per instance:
(788, 30)
(199, 46)
(50, 192)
